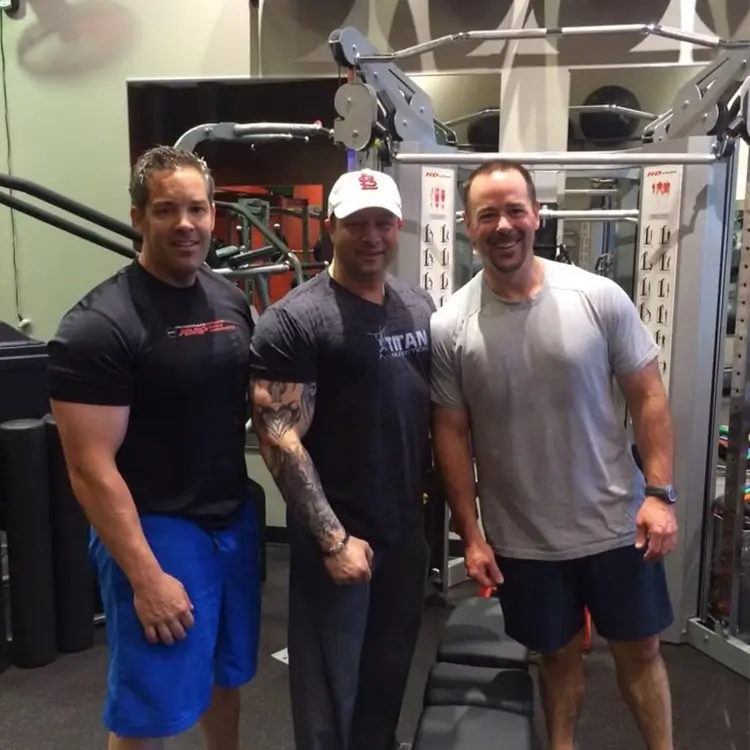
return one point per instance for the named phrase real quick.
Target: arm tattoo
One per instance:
(299, 484)
(290, 407)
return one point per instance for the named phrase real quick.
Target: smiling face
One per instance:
(502, 218)
(176, 223)
(365, 243)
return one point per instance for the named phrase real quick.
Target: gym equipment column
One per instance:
(4, 645)
(23, 467)
(541, 94)
(73, 572)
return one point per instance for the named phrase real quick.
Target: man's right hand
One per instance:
(164, 609)
(481, 565)
(353, 564)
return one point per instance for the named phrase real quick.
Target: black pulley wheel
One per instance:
(74, 579)
(483, 133)
(24, 474)
(609, 128)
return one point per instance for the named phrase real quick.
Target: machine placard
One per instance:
(657, 255)
(437, 227)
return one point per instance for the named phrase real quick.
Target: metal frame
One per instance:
(381, 100)
(389, 119)
(252, 133)
(586, 214)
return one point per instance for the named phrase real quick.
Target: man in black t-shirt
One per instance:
(148, 384)
(340, 368)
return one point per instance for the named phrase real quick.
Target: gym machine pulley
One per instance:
(688, 163)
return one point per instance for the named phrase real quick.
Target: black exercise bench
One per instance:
(479, 693)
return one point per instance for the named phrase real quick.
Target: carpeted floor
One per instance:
(59, 707)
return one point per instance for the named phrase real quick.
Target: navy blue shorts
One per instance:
(543, 601)
(158, 690)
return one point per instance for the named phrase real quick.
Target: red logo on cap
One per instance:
(368, 182)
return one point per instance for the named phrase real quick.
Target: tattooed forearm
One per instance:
(296, 478)
(277, 420)
(281, 407)
(282, 415)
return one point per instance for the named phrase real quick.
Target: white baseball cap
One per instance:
(365, 188)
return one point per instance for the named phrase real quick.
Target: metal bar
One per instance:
(246, 213)
(591, 191)
(19, 185)
(646, 29)
(585, 214)
(266, 137)
(66, 226)
(729, 558)
(255, 132)
(246, 273)
(561, 160)
(472, 116)
(728, 651)
(252, 128)
(592, 214)
(616, 109)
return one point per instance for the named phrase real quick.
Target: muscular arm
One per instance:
(91, 436)
(647, 402)
(282, 413)
(450, 435)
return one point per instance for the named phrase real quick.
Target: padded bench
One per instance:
(472, 728)
(510, 690)
(468, 707)
(475, 635)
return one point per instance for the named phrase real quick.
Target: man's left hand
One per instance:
(656, 529)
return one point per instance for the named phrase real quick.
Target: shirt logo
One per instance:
(368, 182)
(401, 344)
(200, 329)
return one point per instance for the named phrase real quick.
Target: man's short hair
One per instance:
(164, 159)
(499, 166)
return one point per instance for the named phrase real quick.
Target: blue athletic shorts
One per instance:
(544, 602)
(158, 690)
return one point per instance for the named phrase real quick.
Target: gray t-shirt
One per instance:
(557, 479)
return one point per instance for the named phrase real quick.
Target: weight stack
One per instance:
(23, 468)
(73, 573)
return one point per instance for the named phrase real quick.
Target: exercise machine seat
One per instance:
(472, 728)
(510, 690)
(475, 635)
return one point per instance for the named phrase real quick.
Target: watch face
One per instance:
(668, 493)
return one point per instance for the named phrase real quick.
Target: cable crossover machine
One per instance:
(687, 163)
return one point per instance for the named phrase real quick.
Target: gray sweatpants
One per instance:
(351, 647)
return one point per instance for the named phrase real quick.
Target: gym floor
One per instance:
(59, 707)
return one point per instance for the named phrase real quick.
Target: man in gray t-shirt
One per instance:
(525, 361)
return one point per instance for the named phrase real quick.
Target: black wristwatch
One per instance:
(667, 493)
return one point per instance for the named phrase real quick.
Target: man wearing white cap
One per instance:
(340, 370)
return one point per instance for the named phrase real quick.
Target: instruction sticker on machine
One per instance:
(657, 255)
(438, 223)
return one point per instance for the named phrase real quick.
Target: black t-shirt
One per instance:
(369, 437)
(179, 358)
